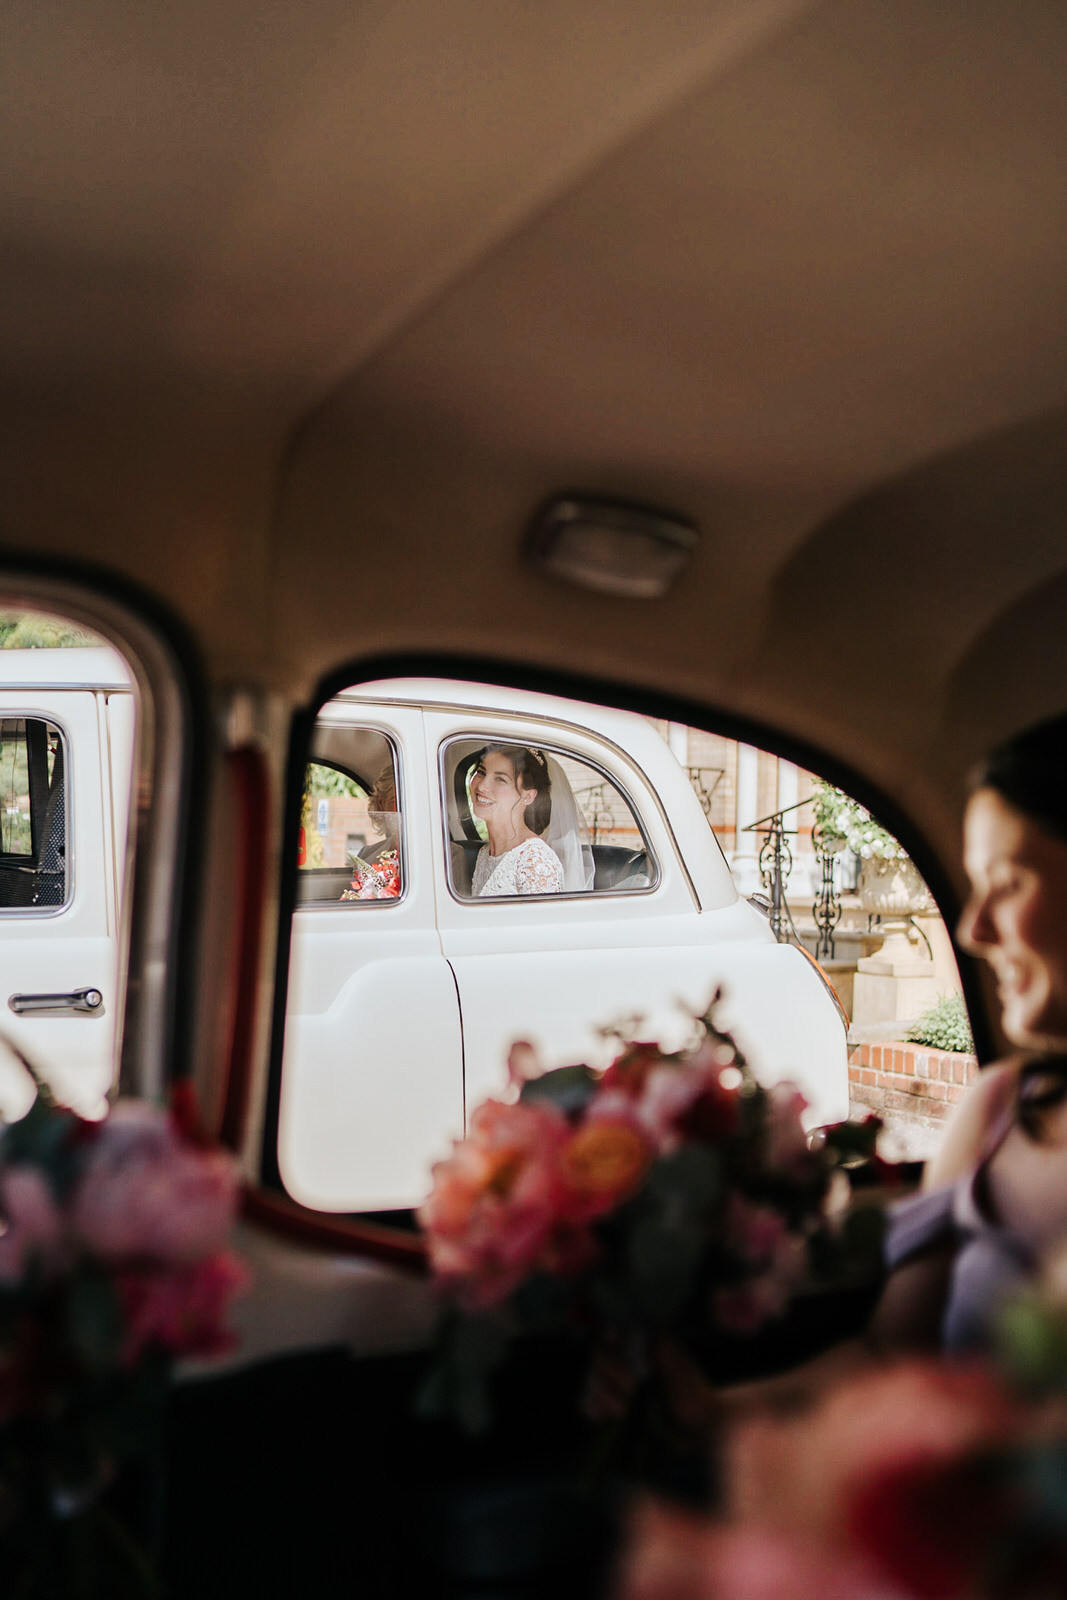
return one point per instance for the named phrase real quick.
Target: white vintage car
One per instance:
(405, 994)
(401, 1009)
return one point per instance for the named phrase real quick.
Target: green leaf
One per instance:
(662, 1266)
(569, 1088)
(1032, 1341)
(687, 1182)
(851, 1251)
(458, 1384)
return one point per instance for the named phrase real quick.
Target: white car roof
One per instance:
(619, 725)
(95, 667)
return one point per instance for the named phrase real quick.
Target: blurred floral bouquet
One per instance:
(113, 1262)
(669, 1195)
(921, 1479)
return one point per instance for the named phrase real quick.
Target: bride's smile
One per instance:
(497, 798)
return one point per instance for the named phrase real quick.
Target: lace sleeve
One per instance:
(539, 869)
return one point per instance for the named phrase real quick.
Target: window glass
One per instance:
(350, 847)
(33, 814)
(533, 820)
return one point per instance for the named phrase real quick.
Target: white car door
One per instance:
(58, 894)
(639, 954)
(372, 1068)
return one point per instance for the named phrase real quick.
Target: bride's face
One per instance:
(1015, 918)
(495, 793)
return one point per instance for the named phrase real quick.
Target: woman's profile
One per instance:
(994, 1207)
(511, 793)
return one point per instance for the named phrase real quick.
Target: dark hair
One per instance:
(1029, 771)
(531, 772)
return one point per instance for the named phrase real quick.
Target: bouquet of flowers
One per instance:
(374, 880)
(919, 1479)
(669, 1195)
(113, 1263)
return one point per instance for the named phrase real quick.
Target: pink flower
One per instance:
(802, 1475)
(674, 1555)
(523, 1063)
(180, 1309)
(629, 1071)
(31, 1227)
(752, 1231)
(144, 1192)
(495, 1203)
(687, 1101)
(743, 1307)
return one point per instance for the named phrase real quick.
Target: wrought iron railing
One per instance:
(775, 867)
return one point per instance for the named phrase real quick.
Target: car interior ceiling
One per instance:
(306, 310)
(795, 270)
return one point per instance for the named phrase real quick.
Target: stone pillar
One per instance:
(745, 864)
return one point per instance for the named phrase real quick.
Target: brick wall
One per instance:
(909, 1079)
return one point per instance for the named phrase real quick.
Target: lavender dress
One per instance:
(988, 1264)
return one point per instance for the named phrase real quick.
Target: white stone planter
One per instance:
(897, 982)
(894, 891)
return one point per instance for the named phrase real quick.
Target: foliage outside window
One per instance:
(945, 1026)
(33, 630)
(322, 783)
(844, 823)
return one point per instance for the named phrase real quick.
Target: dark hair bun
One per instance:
(1030, 771)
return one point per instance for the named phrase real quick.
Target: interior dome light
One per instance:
(614, 549)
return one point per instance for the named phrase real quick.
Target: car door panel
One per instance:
(372, 1072)
(561, 1000)
(372, 1091)
(70, 947)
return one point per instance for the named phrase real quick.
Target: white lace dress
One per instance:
(531, 868)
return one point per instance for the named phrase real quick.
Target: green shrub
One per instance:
(944, 1027)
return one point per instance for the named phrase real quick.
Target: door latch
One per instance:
(89, 1002)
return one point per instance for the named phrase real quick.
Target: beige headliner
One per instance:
(304, 308)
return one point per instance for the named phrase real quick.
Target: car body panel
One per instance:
(56, 951)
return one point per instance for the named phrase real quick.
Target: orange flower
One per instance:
(603, 1162)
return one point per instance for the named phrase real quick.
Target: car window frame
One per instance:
(390, 736)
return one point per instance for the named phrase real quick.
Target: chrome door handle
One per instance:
(87, 1001)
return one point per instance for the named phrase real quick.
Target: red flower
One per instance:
(629, 1072)
(928, 1524)
(182, 1309)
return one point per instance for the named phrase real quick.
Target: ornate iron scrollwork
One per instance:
(775, 865)
(827, 907)
(700, 788)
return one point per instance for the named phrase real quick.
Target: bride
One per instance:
(511, 792)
